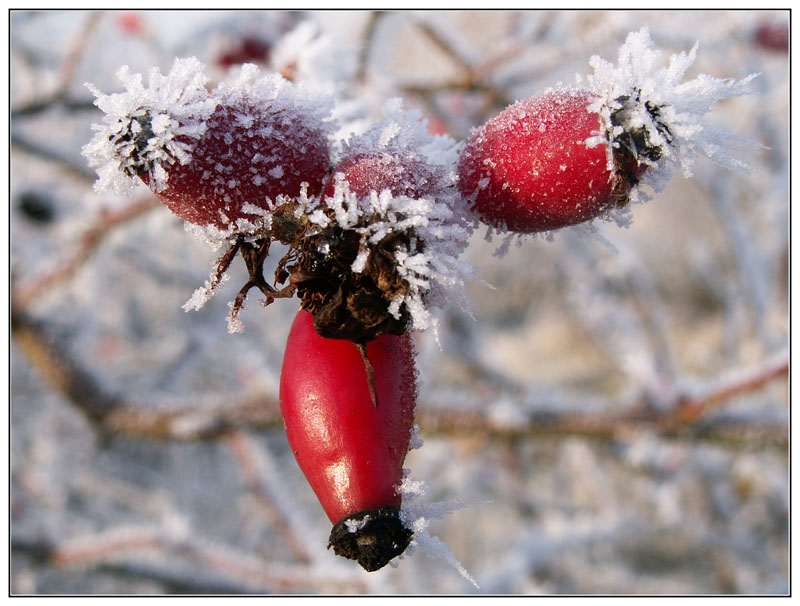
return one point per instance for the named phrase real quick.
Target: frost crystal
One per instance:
(669, 111)
(148, 127)
(433, 227)
(202, 295)
(416, 516)
(277, 95)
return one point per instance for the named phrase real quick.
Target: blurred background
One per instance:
(615, 414)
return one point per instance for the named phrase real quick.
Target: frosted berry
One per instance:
(532, 168)
(213, 157)
(248, 49)
(350, 450)
(247, 154)
(377, 171)
(772, 37)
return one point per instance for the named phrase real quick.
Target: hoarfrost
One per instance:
(677, 128)
(235, 324)
(416, 516)
(173, 107)
(205, 293)
(437, 224)
(353, 526)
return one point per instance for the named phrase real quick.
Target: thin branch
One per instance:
(114, 415)
(443, 45)
(46, 354)
(472, 80)
(76, 51)
(186, 562)
(24, 294)
(367, 44)
(34, 108)
(29, 147)
(691, 409)
(68, 69)
(247, 456)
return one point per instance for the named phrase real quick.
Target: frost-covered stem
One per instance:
(40, 106)
(244, 452)
(114, 415)
(709, 268)
(591, 35)
(174, 580)
(615, 322)
(606, 426)
(691, 408)
(69, 65)
(367, 45)
(50, 358)
(442, 43)
(471, 79)
(111, 414)
(647, 304)
(88, 243)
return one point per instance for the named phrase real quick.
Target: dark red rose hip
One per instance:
(213, 157)
(247, 154)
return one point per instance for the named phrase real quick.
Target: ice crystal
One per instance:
(669, 110)
(146, 128)
(434, 225)
(201, 296)
(416, 516)
(276, 95)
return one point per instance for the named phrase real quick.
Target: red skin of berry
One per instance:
(376, 171)
(231, 165)
(350, 451)
(529, 169)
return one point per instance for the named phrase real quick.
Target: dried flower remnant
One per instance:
(384, 239)
(147, 129)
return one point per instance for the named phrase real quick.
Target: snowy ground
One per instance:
(615, 415)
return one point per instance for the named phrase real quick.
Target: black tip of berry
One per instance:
(140, 136)
(372, 537)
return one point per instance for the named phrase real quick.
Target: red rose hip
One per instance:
(376, 171)
(213, 157)
(532, 168)
(350, 450)
(247, 154)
